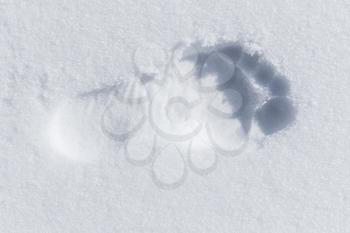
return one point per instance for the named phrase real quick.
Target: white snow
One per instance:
(64, 169)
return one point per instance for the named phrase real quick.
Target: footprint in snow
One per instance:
(186, 108)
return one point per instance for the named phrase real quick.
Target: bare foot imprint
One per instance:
(184, 109)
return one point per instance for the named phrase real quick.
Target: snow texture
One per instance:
(79, 151)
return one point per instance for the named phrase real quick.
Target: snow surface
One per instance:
(59, 62)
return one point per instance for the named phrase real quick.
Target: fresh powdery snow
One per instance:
(174, 116)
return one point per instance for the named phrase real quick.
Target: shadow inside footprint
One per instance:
(275, 115)
(251, 74)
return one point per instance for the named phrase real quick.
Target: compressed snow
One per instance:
(65, 66)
